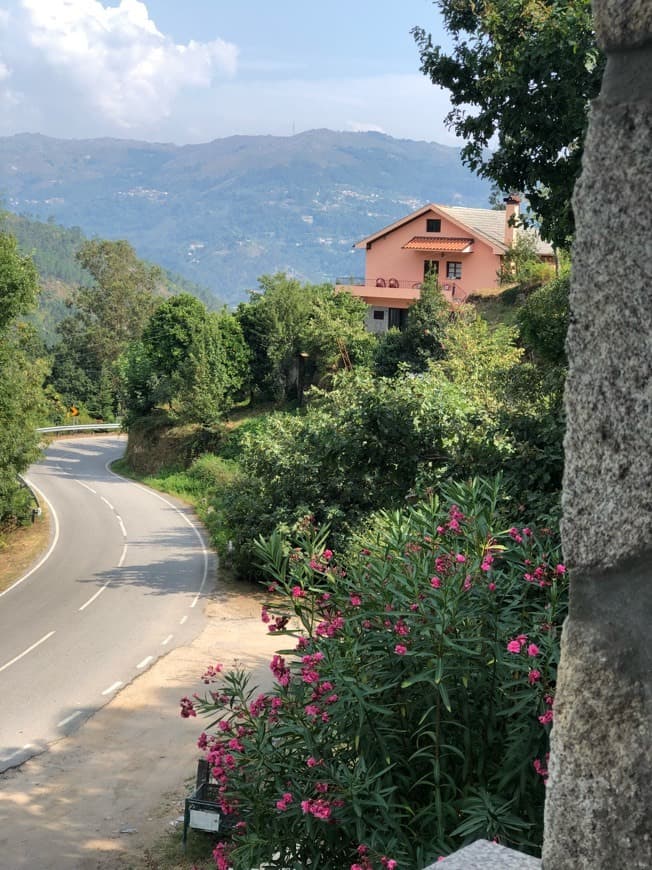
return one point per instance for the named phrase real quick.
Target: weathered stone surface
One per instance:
(622, 23)
(600, 788)
(607, 497)
(600, 785)
(483, 855)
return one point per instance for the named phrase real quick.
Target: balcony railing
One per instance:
(380, 283)
(451, 289)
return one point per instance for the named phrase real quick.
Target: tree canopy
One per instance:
(105, 318)
(190, 361)
(520, 74)
(21, 378)
(285, 318)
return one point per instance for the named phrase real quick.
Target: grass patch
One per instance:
(168, 854)
(21, 547)
(499, 307)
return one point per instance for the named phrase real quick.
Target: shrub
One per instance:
(543, 321)
(412, 699)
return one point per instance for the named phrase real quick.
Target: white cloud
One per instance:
(114, 57)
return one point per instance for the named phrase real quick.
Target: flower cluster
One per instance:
(432, 644)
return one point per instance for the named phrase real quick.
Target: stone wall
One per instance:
(600, 787)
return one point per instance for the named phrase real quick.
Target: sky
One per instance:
(189, 71)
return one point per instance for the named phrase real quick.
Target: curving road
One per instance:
(119, 587)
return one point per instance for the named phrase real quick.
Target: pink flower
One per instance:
(400, 650)
(435, 582)
(560, 569)
(513, 646)
(328, 555)
(492, 587)
(355, 600)
(221, 856)
(533, 650)
(547, 717)
(534, 676)
(460, 558)
(187, 708)
(297, 592)
(318, 808)
(284, 802)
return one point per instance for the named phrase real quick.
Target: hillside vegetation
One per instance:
(54, 249)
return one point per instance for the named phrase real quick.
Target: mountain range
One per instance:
(223, 213)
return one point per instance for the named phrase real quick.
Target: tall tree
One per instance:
(285, 318)
(520, 75)
(106, 317)
(21, 379)
(193, 361)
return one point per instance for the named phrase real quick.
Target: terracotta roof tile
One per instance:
(429, 243)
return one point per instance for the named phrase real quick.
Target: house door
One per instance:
(430, 267)
(397, 318)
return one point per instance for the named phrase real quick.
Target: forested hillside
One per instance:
(53, 249)
(225, 212)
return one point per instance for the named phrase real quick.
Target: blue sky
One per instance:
(195, 70)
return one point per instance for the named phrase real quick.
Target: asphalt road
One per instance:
(120, 586)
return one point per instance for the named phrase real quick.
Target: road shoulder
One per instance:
(101, 797)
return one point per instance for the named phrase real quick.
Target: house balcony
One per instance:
(395, 292)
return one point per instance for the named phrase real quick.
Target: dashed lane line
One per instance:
(69, 719)
(93, 597)
(86, 486)
(28, 650)
(112, 688)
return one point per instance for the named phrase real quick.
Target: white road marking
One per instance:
(106, 501)
(183, 619)
(93, 597)
(145, 661)
(112, 688)
(167, 640)
(69, 719)
(122, 556)
(86, 486)
(185, 519)
(28, 650)
(16, 754)
(122, 526)
(55, 538)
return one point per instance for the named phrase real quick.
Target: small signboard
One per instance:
(204, 821)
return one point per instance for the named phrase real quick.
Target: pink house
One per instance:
(464, 247)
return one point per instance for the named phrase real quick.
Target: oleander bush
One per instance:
(413, 692)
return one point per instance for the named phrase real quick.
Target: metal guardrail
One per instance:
(82, 427)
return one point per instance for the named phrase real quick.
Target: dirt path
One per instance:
(98, 799)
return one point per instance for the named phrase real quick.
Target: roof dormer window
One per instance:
(433, 225)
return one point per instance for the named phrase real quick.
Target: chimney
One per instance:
(512, 210)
